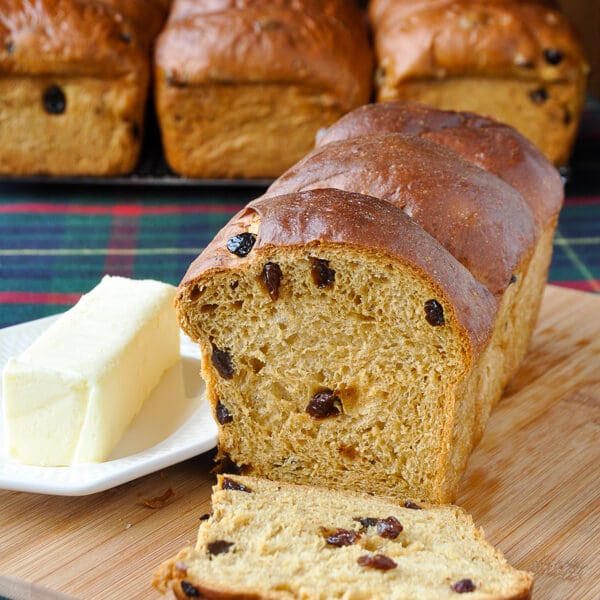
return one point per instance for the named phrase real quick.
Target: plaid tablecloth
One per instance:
(56, 242)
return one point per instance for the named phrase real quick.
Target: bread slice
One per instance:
(266, 540)
(338, 339)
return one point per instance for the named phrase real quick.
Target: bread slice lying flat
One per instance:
(267, 540)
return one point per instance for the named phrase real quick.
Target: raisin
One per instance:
(367, 522)
(340, 537)
(195, 293)
(538, 96)
(221, 359)
(223, 414)
(324, 404)
(389, 528)
(322, 275)
(219, 547)
(513, 279)
(189, 590)
(234, 284)
(205, 517)
(241, 244)
(226, 465)
(434, 313)
(377, 561)
(409, 504)
(54, 99)
(230, 484)
(553, 56)
(463, 586)
(271, 277)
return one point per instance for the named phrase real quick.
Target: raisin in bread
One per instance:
(519, 62)
(236, 77)
(340, 342)
(74, 78)
(266, 540)
(507, 245)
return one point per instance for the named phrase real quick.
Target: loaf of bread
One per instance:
(517, 61)
(266, 540)
(74, 78)
(361, 342)
(242, 86)
(336, 337)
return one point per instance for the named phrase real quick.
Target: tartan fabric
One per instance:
(57, 242)
(53, 250)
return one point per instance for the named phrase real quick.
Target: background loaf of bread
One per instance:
(518, 61)
(242, 87)
(74, 78)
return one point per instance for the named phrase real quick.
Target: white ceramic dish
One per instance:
(174, 424)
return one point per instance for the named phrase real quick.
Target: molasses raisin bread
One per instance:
(519, 62)
(242, 86)
(266, 540)
(73, 81)
(342, 345)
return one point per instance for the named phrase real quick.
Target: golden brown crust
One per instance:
(440, 38)
(329, 217)
(491, 145)
(322, 45)
(445, 194)
(172, 576)
(73, 37)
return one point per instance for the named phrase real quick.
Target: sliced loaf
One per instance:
(338, 339)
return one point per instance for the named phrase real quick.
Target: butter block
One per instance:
(71, 395)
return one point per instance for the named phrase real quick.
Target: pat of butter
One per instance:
(71, 395)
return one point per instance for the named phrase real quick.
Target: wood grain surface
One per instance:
(533, 483)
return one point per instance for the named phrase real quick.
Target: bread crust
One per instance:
(75, 38)
(491, 145)
(447, 195)
(330, 216)
(319, 44)
(458, 37)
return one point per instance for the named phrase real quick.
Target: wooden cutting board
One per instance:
(533, 483)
